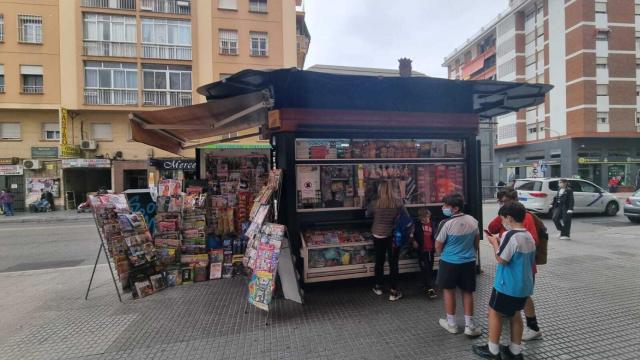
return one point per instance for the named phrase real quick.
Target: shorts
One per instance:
(506, 305)
(462, 276)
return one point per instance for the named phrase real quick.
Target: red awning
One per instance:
(182, 128)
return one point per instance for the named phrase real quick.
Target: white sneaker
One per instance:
(377, 290)
(529, 334)
(472, 331)
(393, 296)
(565, 238)
(450, 328)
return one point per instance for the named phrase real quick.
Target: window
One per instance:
(51, 131)
(259, 43)
(554, 186)
(601, 7)
(30, 29)
(638, 119)
(164, 31)
(101, 132)
(228, 42)
(602, 36)
(110, 4)
(530, 186)
(602, 90)
(110, 83)
(1, 27)
(228, 4)
(32, 82)
(602, 117)
(533, 130)
(100, 27)
(1, 78)
(587, 187)
(258, 6)
(166, 85)
(575, 185)
(601, 61)
(637, 90)
(9, 131)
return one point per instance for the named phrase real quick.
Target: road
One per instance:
(36, 246)
(39, 246)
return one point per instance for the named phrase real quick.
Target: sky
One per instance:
(376, 33)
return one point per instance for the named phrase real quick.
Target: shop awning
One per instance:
(241, 101)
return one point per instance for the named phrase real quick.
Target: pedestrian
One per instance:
(425, 244)
(457, 240)
(385, 209)
(50, 200)
(563, 209)
(515, 254)
(7, 202)
(613, 184)
(507, 196)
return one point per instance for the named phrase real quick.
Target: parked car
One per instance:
(537, 194)
(632, 207)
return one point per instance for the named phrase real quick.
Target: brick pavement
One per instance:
(587, 300)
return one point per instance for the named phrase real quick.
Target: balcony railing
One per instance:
(182, 7)
(166, 98)
(32, 89)
(109, 48)
(110, 97)
(172, 52)
(303, 43)
(110, 4)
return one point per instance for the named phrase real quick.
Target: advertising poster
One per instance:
(35, 187)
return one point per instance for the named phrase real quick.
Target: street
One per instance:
(587, 300)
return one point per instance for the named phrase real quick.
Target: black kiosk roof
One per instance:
(243, 100)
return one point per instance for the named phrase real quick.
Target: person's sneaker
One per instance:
(431, 294)
(472, 332)
(395, 295)
(564, 238)
(377, 290)
(450, 328)
(529, 334)
(483, 351)
(506, 353)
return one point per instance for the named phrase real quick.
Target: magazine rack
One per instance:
(102, 249)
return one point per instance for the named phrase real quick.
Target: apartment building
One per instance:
(72, 70)
(589, 50)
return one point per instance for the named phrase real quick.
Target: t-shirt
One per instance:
(427, 237)
(495, 227)
(458, 233)
(515, 278)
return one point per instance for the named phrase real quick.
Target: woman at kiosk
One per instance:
(384, 209)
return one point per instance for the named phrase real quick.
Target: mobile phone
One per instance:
(487, 232)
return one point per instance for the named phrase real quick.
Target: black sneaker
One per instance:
(506, 353)
(483, 351)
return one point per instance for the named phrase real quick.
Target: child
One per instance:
(515, 254)
(425, 243)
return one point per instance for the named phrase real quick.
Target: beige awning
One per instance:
(186, 127)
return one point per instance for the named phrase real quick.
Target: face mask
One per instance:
(447, 212)
(500, 204)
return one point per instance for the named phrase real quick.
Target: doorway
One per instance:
(14, 184)
(135, 179)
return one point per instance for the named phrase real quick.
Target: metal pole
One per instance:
(86, 296)
(102, 247)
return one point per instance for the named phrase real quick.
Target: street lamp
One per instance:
(551, 130)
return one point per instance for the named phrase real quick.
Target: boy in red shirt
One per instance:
(508, 195)
(424, 241)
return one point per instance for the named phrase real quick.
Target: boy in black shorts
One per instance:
(515, 254)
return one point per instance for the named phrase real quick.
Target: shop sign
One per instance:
(586, 160)
(174, 164)
(70, 151)
(9, 161)
(11, 170)
(86, 163)
(44, 152)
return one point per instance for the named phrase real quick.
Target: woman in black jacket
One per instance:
(563, 209)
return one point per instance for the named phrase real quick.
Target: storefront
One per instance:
(12, 179)
(335, 137)
(174, 169)
(82, 176)
(129, 174)
(43, 173)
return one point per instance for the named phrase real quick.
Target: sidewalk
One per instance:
(48, 217)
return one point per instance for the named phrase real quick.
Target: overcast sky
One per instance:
(376, 33)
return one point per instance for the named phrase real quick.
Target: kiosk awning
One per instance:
(241, 102)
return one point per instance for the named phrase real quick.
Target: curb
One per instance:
(43, 220)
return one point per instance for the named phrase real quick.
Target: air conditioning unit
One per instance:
(31, 164)
(88, 145)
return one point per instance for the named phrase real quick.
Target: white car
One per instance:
(537, 194)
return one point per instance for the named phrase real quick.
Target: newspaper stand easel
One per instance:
(102, 249)
(269, 207)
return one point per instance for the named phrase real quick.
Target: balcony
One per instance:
(110, 97)
(171, 52)
(181, 7)
(110, 4)
(166, 98)
(1, 88)
(32, 89)
(109, 48)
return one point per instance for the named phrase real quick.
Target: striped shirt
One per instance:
(515, 278)
(458, 234)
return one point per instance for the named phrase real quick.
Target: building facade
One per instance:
(589, 125)
(72, 70)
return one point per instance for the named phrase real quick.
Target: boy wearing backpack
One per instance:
(515, 253)
(537, 229)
